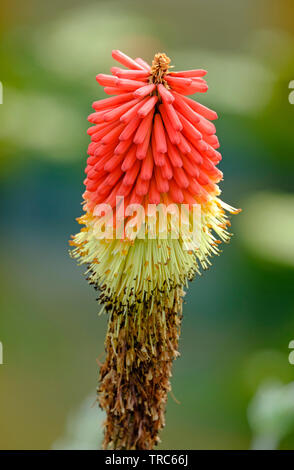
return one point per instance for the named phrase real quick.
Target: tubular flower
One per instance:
(152, 160)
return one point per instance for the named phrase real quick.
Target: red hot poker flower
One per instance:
(151, 145)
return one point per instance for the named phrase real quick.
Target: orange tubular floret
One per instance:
(107, 80)
(132, 173)
(173, 117)
(179, 81)
(130, 128)
(147, 166)
(96, 118)
(126, 61)
(110, 102)
(189, 130)
(111, 90)
(159, 135)
(103, 130)
(181, 178)
(175, 192)
(212, 140)
(174, 154)
(166, 169)
(123, 146)
(148, 106)
(142, 186)
(165, 94)
(189, 73)
(143, 64)
(172, 134)
(143, 128)
(111, 137)
(142, 148)
(199, 108)
(181, 106)
(113, 162)
(162, 183)
(144, 90)
(195, 87)
(206, 126)
(154, 194)
(184, 145)
(133, 111)
(157, 156)
(131, 74)
(129, 159)
(128, 85)
(117, 112)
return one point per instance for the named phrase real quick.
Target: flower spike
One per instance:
(152, 221)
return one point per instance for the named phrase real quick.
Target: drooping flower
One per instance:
(152, 148)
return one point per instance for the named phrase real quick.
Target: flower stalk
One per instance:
(135, 378)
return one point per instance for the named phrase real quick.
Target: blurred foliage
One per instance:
(83, 428)
(271, 414)
(239, 317)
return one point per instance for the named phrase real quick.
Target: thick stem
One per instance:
(135, 378)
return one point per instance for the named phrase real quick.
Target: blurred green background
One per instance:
(239, 317)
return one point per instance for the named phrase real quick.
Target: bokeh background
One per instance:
(234, 380)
